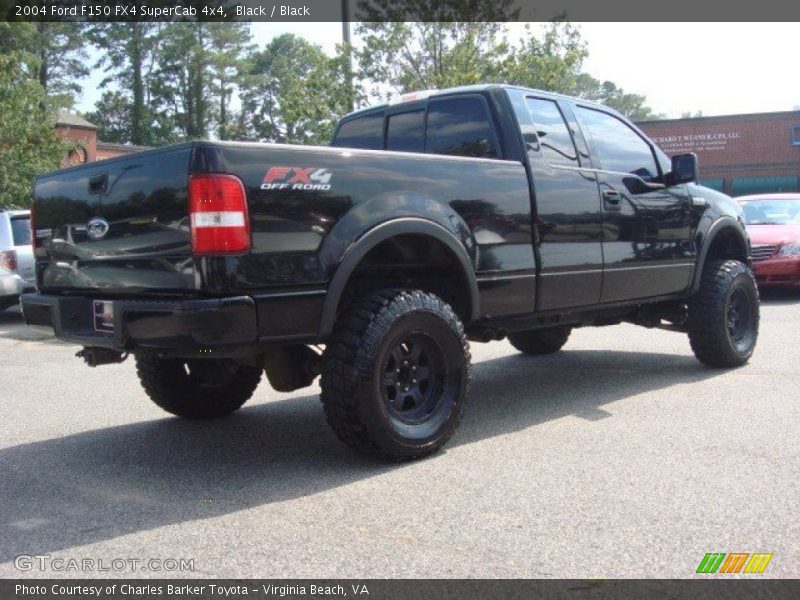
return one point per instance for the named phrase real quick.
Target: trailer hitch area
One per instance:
(95, 357)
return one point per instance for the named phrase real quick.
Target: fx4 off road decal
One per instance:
(297, 178)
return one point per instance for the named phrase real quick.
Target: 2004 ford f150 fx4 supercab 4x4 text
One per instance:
(473, 213)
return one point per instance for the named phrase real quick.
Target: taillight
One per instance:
(8, 260)
(218, 214)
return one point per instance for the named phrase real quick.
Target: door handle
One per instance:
(611, 196)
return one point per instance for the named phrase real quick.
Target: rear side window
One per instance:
(618, 147)
(405, 132)
(365, 133)
(461, 127)
(552, 132)
(21, 231)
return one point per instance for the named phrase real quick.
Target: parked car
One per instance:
(773, 222)
(16, 256)
(473, 213)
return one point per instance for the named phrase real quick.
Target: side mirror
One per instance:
(684, 169)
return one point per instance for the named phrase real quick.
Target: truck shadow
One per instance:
(12, 326)
(101, 484)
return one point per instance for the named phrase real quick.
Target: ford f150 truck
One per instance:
(474, 213)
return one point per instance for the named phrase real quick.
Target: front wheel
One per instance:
(197, 389)
(394, 375)
(723, 315)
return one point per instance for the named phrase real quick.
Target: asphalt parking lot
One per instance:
(619, 457)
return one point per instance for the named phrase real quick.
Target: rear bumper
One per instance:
(12, 285)
(784, 270)
(211, 326)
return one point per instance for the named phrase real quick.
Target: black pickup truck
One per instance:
(473, 213)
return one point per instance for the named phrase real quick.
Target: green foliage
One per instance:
(168, 82)
(401, 57)
(129, 57)
(230, 44)
(631, 105)
(182, 82)
(29, 144)
(293, 93)
(61, 55)
(112, 115)
(549, 61)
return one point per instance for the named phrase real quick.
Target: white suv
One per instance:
(17, 273)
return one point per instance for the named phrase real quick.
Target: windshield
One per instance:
(21, 230)
(771, 212)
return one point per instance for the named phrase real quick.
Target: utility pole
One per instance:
(348, 69)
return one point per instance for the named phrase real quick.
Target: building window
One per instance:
(796, 135)
(764, 185)
(714, 184)
(77, 156)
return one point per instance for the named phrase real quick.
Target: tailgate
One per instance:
(118, 226)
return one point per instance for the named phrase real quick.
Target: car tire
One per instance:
(395, 374)
(723, 315)
(540, 341)
(197, 389)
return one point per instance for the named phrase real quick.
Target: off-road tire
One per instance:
(720, 335)
(197, 389)
(540, 341)
(362, 384)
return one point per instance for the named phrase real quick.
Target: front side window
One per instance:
(460, 127)
(618, 147)
(552, 132)
(365, 133)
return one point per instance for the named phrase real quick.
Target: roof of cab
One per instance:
(483, 87)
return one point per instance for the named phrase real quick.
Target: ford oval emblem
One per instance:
(97, 228)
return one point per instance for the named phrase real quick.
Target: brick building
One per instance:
(738, 154)
(90, 149)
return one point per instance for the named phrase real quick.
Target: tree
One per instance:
(112, 115)
(230, 43)
(182, 82)
(29, 144)
(399, 57)
(632, 106)
(129, 52)
(60, 52)
(293, 92)
(17, 37)
(550, 61)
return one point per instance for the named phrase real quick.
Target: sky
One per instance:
(716, 68)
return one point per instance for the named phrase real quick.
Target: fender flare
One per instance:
(380, 233)
(720, 225)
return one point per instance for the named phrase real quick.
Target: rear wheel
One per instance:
(723, 315)
(394, 377)
(540, 341)
(197, 389)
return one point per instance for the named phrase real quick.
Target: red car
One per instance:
(773, 222)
